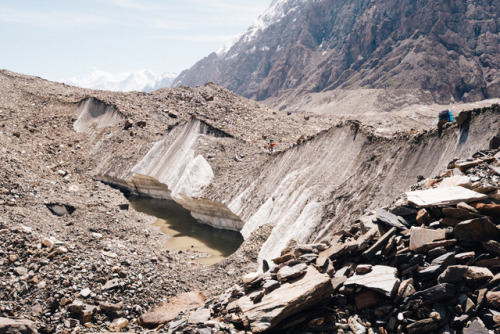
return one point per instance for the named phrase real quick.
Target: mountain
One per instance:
(445, 49)
(144, 80)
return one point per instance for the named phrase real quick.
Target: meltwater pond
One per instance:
(186, 232)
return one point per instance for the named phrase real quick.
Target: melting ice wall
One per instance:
(320, 187)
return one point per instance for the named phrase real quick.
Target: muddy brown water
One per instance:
(186, 232)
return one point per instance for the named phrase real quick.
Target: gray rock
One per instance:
(477, 327)
(382, 279)
(199, 316)
(270, 286)
(288, 273)
(438, 293)
(444, 260)
(112, 284)
(391, 220)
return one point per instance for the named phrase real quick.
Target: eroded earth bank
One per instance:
(74, 257)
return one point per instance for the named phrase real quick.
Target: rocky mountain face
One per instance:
(446, 49)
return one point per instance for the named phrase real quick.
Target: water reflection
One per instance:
(186, 232)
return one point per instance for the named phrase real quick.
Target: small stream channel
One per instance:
(186, 232)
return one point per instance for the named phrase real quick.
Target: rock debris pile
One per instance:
(428, 263)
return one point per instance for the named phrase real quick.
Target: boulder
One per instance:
(442, 197)
(381, 279)
(285, 301)
(475, 230)
(169, 310)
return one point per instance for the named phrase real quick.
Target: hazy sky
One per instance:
(60, 39)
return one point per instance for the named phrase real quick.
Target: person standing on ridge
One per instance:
(445, 116)
(271, 144)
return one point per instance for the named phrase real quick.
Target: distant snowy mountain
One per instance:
(145, 81)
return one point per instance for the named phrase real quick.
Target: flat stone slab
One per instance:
(443, 196)
(287, 300)
(199, 316)
(457, 180)
(381, 279)
(422, 236)
(169, 310)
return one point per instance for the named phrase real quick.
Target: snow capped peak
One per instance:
(142, 80)
(276, 11)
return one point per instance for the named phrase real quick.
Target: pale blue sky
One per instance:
(61, 39)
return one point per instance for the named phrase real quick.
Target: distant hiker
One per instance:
(270, 145)
(445, 116)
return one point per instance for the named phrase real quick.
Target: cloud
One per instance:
(57, 19)
(195, 38)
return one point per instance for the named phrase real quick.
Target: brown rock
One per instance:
(370, 252)
(446, 221)
(478, 274)
(423, 326)
(169, 310)
(422, 236)
(363, 268)
(492, 246)
(423, 217)
(492, 210)
(405, 289)
(474, 230)
(366, 299)
(488, 263)
(452, 274)
(284, 258)
(443, 243)
(457, 213)
(492, 299)
(335, 251)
